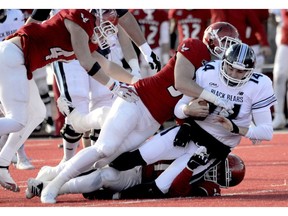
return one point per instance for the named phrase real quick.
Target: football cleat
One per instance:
(24, 165)
(6, 180)
(49, 195)
(34, 188)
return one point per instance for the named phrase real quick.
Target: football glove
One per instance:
(183, 136)
(153, 61)
(199, 158)
(225, 104)
(125, 92)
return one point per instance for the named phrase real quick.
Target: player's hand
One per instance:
(183, 136)
(199, 158)
(125, 92)
(153, 61)
(226, 104)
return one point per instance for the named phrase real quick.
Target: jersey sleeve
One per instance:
(265, 96)
(195, 51)
(83, 18)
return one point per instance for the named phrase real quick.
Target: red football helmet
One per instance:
(106, 22)
(219, 36)
(228, 173)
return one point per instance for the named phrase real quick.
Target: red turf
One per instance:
(264, 185)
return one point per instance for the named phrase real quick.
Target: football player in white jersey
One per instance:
(197, 145)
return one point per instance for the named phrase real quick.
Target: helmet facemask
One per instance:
(219, 174)
(224, 44)
(227, 173)
(234, 82)
(105, 27)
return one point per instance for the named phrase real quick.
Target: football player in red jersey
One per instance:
(34, 46)
(155, 25)
(104, 183)
(158, 97)
(189, 23)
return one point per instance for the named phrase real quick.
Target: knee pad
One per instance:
(69, 134)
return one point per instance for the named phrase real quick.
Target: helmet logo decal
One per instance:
(85, 20)
(184, 48)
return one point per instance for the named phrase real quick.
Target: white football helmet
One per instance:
(241, 57)
(105, 26)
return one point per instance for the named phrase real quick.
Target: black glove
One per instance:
(155, 64)
(199, 158)
(183, 137)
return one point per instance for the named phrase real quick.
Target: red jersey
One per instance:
(158, 92)
(150, 22)
(50, 41)
(190, 23)
(241, 18)
(284, 28)
(262, 15)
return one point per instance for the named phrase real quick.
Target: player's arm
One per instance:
(165, 42)
(129, 52)
(184, 72)
(130, 25)
(261, 130)
(95, 65)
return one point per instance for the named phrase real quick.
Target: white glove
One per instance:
(125, 92)
(150, 57)
(225, 104)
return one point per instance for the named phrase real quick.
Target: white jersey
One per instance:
(14, 20)
(257, 94)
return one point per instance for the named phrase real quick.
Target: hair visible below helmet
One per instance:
(227, 173)
(219, 36)
(3, 13)
(241, 57)
(105, 26)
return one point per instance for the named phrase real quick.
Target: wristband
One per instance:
(235, 127)
(145, 49)
(95, 68)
